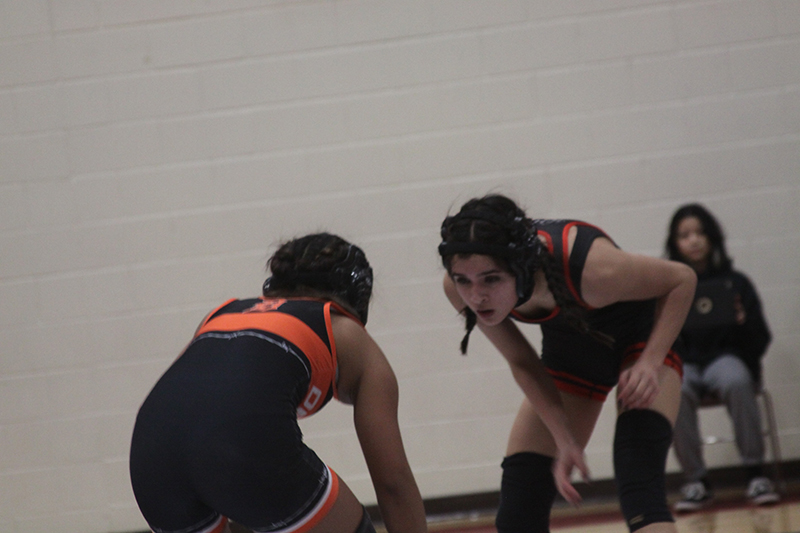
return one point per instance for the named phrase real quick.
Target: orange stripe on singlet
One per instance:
(209, 315)
(321, 511)
(287, 327)
(290, 328)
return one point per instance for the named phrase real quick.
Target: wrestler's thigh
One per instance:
(668, 399)
(345, 514)
(530, 434)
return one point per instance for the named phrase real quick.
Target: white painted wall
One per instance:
(152, 153)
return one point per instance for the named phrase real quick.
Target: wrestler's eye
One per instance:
(460, 280)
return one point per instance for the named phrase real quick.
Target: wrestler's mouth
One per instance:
(485, 313)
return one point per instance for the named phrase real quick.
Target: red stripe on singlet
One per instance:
(580, 387)
(671, 360)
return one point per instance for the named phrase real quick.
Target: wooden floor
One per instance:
(729, 514)
(780, 518)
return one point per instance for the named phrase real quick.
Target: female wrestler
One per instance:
(607, 317)
(217, 438)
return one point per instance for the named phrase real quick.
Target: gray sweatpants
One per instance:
(729, 378)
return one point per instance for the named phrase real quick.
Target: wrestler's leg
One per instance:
(345, 514)
(528, 490)
(668, 400)
(530, 434)
(640, 476)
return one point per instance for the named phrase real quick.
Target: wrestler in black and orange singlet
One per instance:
(218, 435)
(578, 363)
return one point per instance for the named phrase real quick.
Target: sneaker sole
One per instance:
(686, 507)
(765, 499)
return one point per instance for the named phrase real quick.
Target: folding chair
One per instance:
(769, 431)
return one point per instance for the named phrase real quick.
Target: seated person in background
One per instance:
(724, 360)
(217, 438)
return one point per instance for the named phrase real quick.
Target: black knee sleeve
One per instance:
(365, 526)
(527, 493)
(641, 443)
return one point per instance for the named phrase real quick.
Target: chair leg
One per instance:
(772, 432)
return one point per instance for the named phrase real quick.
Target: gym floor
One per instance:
(729, 512)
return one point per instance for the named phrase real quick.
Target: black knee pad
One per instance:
(641, 443)
(365, 526)
(527, 493)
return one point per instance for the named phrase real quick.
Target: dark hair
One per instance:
(322, 264)
(494, 225)
(501, 231)
(718, 259)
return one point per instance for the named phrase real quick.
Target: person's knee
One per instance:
(736, 388)
(641, 443)
(527, 493)
(728, 372)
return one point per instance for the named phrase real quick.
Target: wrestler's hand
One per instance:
(567, 459)
(638, 385)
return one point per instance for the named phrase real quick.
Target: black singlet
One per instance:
(579, 363)
(218, 435)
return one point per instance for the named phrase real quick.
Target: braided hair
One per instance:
(494, 225)
(321, 264)
(571, 310)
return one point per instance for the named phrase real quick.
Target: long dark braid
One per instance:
(571, 310)
(470, 319)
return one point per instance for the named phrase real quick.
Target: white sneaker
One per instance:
(760, 491)
(695, 497)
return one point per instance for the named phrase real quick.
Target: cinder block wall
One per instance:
(152, 153)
